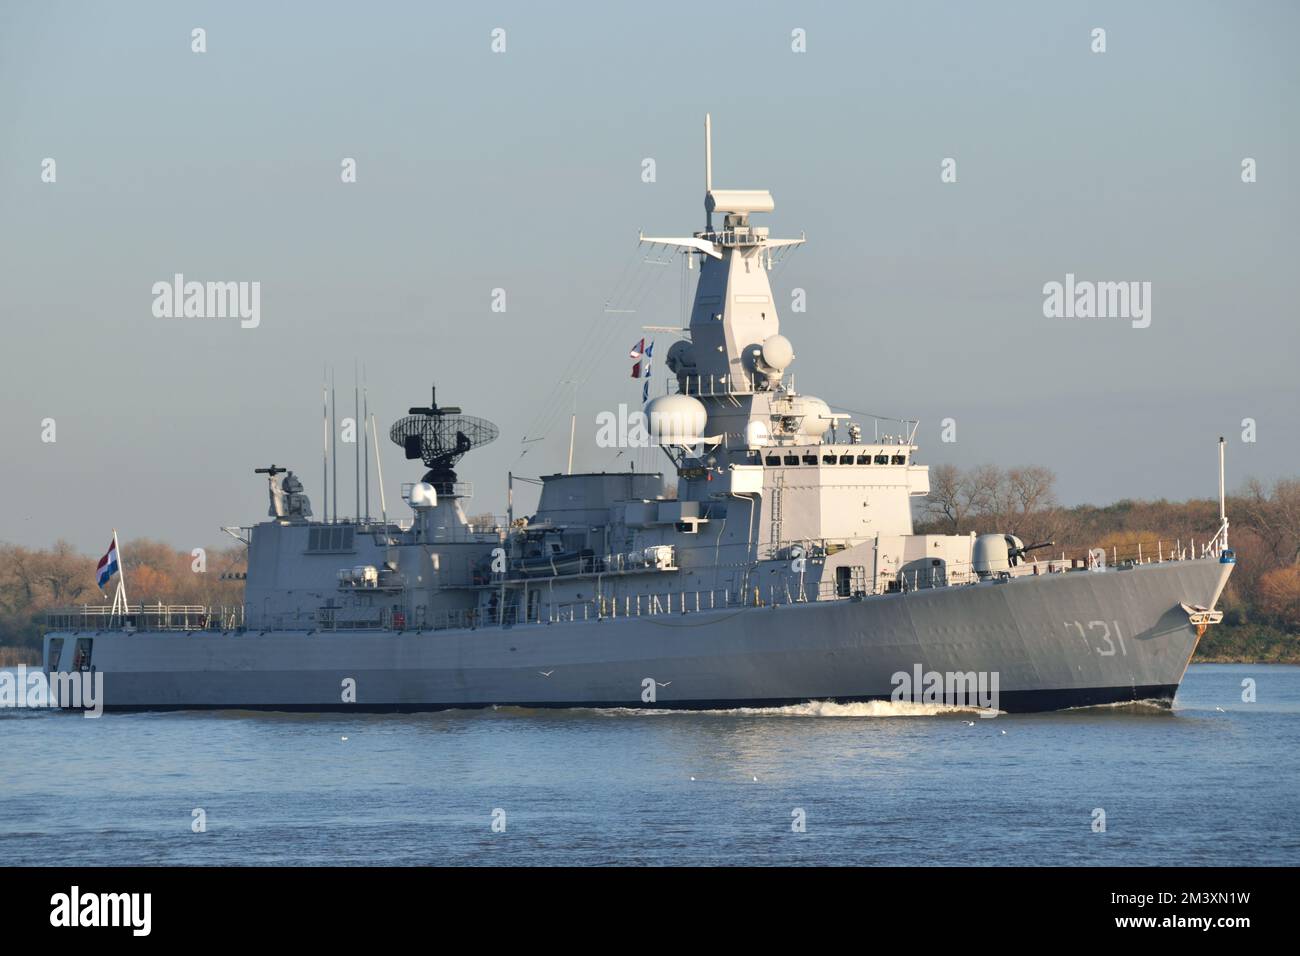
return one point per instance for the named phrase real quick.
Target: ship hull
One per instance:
(1044, 642)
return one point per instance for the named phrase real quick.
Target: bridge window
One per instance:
(899, 460)
(828, 459)
(864, 459)
(773, 459)
(846, 459)
(882, 459)
(792, 459)
(810, 459)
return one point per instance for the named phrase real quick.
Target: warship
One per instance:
(781, 567)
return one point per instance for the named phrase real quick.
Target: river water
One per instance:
(1212, 781)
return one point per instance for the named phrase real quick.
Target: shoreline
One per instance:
(1287, 661)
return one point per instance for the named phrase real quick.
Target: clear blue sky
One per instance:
(522, 171)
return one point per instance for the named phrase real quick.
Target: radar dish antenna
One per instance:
(440, 437)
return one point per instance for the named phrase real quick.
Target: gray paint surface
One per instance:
(1023, 629)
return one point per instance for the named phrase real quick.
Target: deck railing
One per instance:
(146, 617)
(510, 610)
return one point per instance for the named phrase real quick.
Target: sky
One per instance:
(523, 170)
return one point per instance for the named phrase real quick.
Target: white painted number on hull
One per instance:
(1108, 648)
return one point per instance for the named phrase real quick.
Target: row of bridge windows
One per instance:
(836, 459)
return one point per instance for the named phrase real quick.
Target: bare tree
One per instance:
(1032, 500)
(945, 502)
(1018, 501)
(986, 492)
(957, 498)
(1275, 516)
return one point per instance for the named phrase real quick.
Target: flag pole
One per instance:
(121, 575)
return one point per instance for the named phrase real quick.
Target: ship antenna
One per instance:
(365, 410)
(1223, 506)
(325, 446)
(356, 445)
(334, 447)
(708, 170)
(379, 467)
(573, 420)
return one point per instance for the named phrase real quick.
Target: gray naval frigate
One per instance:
(782, 568)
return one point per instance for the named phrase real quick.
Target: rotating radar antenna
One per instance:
(440, 437)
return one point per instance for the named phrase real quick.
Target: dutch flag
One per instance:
(107, 565)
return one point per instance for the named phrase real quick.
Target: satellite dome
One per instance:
(423, 495)
(676, 419)
(778, 353)
(815, 419)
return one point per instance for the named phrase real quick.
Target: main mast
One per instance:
(737, 428)
(734, 315)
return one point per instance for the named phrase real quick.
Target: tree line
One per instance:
(1261, 604)
(32, 581)
(1263, 592)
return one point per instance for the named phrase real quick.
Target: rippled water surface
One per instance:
(1214, 781)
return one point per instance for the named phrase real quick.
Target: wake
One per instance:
(815, 708)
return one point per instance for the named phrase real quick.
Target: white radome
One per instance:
(676, 419)
(424, 495)
(815, 421)
(778, 353)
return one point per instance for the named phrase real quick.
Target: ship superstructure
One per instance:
(780, 565)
